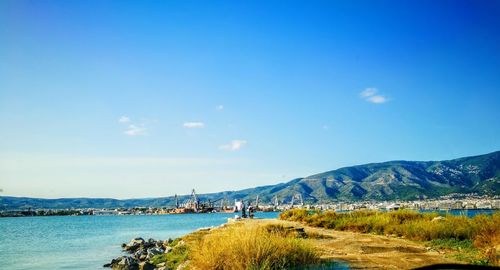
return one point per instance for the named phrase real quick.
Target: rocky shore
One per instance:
(148, 255)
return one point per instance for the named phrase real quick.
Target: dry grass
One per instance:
(250, 246)
(482, 230)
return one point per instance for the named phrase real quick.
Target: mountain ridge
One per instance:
(389, 180)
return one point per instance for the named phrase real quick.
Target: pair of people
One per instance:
(242, 207)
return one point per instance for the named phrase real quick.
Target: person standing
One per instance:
(243, 209)
(251, 210)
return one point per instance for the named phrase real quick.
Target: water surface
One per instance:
(87, 242)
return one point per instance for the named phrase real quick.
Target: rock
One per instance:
(126, 263)
(137, 240)
(439, 218)
(154, 251)
(146, 266)
(168, 250)
(113, 262)
(150, 243)
(134, 244)
(159, 244)
(140, 254)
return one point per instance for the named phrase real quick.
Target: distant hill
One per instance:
(404, 180)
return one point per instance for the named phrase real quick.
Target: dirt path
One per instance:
(367, 251)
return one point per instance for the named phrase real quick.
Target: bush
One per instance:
(295, 215)
(252, 247)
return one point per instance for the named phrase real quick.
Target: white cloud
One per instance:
(124, 119)
(219, 107)
(194, 125)
(368, 92)
(234, 145)
(377, 99)
(370, 95)
(133, 130)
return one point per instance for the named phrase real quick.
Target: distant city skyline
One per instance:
(129, 99)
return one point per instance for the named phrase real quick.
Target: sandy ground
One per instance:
(367, 251)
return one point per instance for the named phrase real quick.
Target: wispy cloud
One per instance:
(133, 130)
(368, 92)
(325, 127)
(194, 125)
(219, 107)
(234, 145)
(371, 95)
(124, 119)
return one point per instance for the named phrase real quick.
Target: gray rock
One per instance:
(146, 266)
(140, 254)
(113, 262)
(150, 243)
(137, 240)
(134, 244)
(126, 263)
(154, 251)
(159, 244)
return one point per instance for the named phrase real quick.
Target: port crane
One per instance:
(297, 196)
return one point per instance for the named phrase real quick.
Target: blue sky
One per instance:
(143, 99)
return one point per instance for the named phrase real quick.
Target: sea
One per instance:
(88, 242)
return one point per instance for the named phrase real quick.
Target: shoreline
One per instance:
(479, 211)
(357, 250)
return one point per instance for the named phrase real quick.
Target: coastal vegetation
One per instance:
(477, 238)
(238, 246)
(250, 246)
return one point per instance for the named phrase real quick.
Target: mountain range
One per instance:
(404, 180)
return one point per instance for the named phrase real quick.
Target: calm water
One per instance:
(469, 213)
(87, 242)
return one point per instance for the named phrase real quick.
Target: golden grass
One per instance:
(250, 246)
(482, 230)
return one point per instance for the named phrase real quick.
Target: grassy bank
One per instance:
(477, 238)
(240, 246)
(249, 246)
